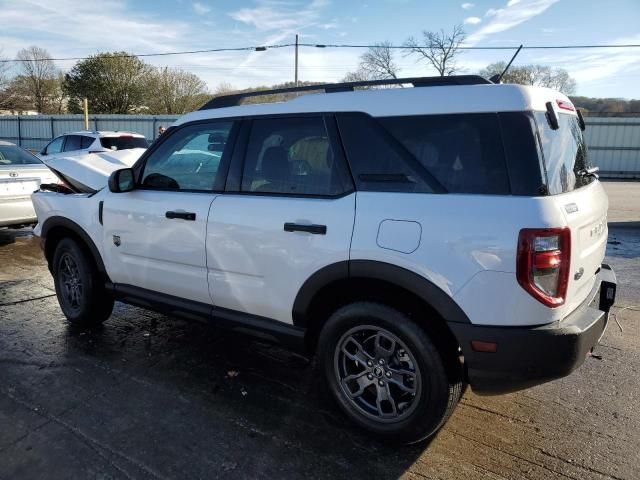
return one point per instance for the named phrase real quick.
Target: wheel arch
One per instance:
(56, 228)
(343, 282)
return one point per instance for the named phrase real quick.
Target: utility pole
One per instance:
(85, 108)
(296, 59)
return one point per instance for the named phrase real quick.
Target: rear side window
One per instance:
(73, 143)
(86, 142)
(292, 156)
(123, 142)
(564, 152)
(464, 152)
(380, 163)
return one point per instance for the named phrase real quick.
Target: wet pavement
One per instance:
(148, 396)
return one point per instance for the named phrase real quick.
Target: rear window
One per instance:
(564, 153)
(123, 142)
(464, 152)
(13, 155)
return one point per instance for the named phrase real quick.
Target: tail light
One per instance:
(543, 262)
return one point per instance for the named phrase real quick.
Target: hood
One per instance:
(89, 172)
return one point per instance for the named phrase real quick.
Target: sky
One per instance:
(68, 28)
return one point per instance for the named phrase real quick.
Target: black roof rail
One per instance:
(234, 99)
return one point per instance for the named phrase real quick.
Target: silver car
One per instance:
(21, 173)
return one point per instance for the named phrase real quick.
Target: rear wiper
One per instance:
(589, 172)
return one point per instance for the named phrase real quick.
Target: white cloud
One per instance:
(472, 20)
(200, 8)
(270, 15)
(468, 6)
(515, 13)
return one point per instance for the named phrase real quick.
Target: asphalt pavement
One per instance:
(149, 396)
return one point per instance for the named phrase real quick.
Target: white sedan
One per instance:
(21, 173)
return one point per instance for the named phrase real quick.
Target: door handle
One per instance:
(183, 215)
(296, 227)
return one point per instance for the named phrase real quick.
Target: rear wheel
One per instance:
(386, 373)
(81, 294)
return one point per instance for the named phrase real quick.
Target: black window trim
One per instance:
(234, 177)
(220, 178)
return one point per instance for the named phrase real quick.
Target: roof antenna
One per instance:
(497, 78)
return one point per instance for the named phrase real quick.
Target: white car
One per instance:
(21, 174)
(415, 239)
(92, 142)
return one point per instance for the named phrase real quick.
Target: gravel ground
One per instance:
(148, 396)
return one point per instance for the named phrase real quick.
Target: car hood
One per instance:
(89, 172)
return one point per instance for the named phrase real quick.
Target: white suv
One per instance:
(92, 142)
(415, 239)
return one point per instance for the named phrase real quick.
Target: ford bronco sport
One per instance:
(415, 239)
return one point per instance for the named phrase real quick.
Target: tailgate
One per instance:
(585, 210)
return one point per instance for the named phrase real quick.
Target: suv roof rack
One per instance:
(234, 99)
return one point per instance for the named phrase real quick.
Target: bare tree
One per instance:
(174, 91)
(377, 63)
(40, 74)
(439, 49)
(6, 93)
(540, 75)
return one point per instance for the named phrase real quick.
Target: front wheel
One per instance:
(385, 372)
(81, 295)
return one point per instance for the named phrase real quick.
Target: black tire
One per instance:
(417, 402)
(80, 291)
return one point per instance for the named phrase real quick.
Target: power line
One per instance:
(261, 48)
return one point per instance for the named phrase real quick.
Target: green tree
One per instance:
(112, 82)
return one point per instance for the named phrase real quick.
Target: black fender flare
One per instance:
(57, 221)
(424, 289)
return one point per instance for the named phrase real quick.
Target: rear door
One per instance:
(580, 197)
(154, 236)
(288, 211)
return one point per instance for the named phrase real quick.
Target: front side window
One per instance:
(55, 146)
(189, 159)
(564, 152)
(13, 155)
(292, 156)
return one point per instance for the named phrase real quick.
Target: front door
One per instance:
(154, 236)
(290, 214)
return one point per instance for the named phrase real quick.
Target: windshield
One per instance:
(564, 152)
(14, 155)
(123, 142)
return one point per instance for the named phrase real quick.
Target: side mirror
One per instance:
(122, 181)
(43, 151)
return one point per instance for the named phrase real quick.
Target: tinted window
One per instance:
(123, 142)
(189, 159)
(72, 143)
(86, 142)
(378, 161)
(292, 156)
(463, 152)
(564, 152)
(523, 155)
(55, 146)
(13, 155)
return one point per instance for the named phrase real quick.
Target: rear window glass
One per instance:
(564, 152)
(464, 152)
(123, 142)
(13, 155)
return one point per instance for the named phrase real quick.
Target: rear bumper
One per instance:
(528, 356)
(16, 211)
